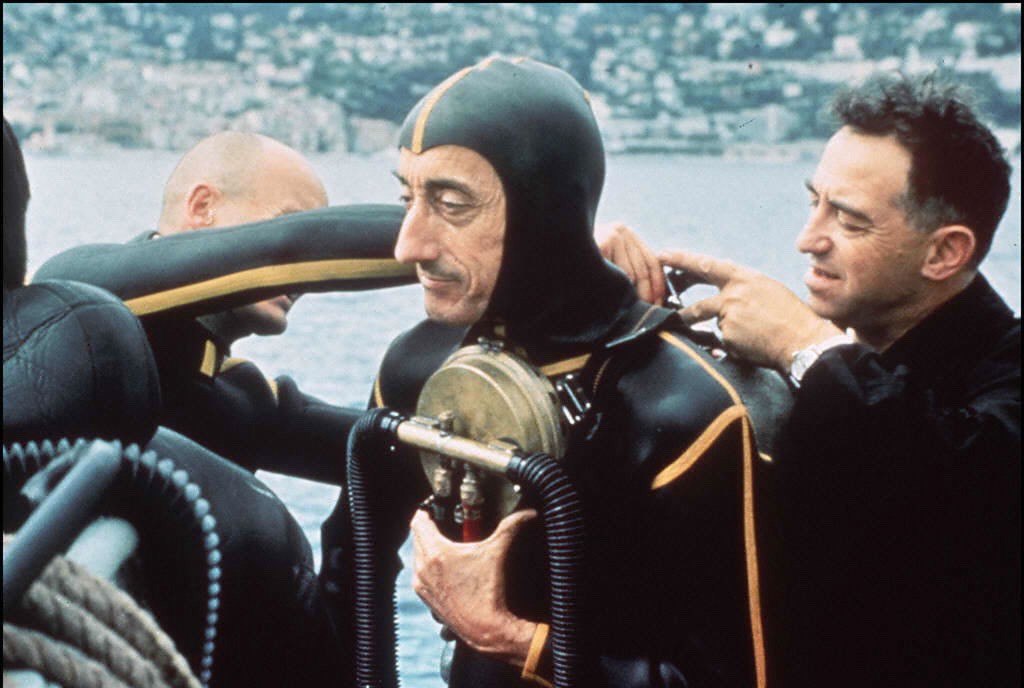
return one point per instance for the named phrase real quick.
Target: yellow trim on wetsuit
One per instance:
(567, 366)
(209, 365)
(696, 450)
(421, 121)
(679, 344)
(749, 530)
(540, 638)
(235, 361)
(750, 549)
(268, 276)
(570, 365)
(230, 363)
(377, 396)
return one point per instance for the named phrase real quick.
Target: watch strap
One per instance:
(805, 358)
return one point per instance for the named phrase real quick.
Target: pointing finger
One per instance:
(705, 269)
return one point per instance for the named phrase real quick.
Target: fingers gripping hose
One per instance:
(140, 476)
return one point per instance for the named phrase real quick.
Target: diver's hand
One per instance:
(760, 319)
(464, 585)
(622, 246)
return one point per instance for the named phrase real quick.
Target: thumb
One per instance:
(512, 524)
(702, 310)
(425, 533)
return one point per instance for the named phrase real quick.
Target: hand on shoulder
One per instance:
(623, 246)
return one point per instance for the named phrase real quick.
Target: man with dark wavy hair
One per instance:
(897, 480)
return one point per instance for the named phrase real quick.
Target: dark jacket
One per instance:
(898, 497)
(665, 460)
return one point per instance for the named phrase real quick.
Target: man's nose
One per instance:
(814, 238)
(416, 242)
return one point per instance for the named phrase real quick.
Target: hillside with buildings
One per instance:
(663, 77)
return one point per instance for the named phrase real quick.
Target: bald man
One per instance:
(234, 178)
(264, 226)
(242, 221)
(224, 403)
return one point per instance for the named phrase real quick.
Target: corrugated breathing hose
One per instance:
(561, 510)
(99, 466)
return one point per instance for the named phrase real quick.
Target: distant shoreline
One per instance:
(806, 150)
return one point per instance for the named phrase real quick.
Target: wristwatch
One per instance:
(805, 358)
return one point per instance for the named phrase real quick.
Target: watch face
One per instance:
(801, 362)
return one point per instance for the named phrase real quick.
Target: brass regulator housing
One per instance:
(491, 396)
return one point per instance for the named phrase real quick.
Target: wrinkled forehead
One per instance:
(452, 167)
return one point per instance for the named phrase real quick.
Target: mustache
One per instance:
(437, 271)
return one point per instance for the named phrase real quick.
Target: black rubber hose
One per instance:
(57, 520)
(375, 608)
(562, 511)
(150, 480)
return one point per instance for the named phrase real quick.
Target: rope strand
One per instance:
(83, 631)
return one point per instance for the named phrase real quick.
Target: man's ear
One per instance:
(200, 205)
(950, 249)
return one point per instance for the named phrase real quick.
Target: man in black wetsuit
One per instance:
(236, 227)
(897, 480)
(196, 292)
(80, 337)
(501, 168)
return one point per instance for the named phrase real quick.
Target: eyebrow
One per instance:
(433, 185)
(839, 205)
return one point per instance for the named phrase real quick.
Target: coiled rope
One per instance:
(78, 630)
(149, 478)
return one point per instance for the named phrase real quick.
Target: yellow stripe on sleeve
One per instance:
(269, 276)
(540, 637)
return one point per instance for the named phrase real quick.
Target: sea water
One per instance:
(747, 210)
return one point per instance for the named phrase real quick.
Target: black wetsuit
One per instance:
(76, 364)
(898, 493)
(226, 404)
(666, 459)
(273, 630)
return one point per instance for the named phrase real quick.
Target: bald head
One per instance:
(233, 178)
